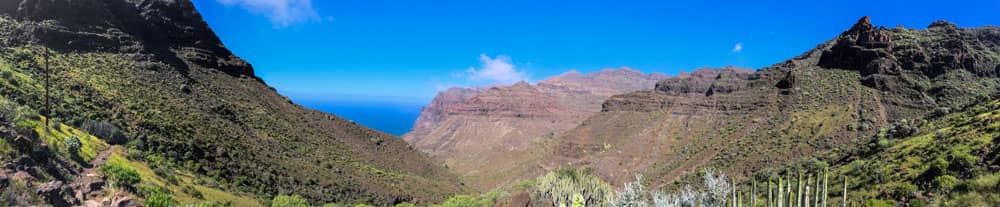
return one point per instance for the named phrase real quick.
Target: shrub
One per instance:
(72, 144)
(120, 174)
(945, 183)
(13, 112)
(562, 185)
(405, 204)
(878, 203)
(289, 201)
(106, 131)
(941, 111)
(632, 195)
(160, 199)
(463, 201)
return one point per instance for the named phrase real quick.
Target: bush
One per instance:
(120, 174)
(405, 204)
(941, 111)
(878, 203)
(13, 112)
(289, 201)
(945, 183)
(160, 199)
(631, 195)
(562, 185)
(106, 131)
(463, 201)
(72, 144)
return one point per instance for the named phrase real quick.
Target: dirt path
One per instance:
(87, 180)
(101, 158)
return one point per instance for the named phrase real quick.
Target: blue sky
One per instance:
(401, 52)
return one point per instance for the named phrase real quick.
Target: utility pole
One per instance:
(48, 108)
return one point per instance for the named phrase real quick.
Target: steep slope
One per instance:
(155, 69)
(815, 103)
(477, 132)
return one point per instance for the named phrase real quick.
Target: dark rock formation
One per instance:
(706, 81)
(56, 193)
(864, 48)
(173, 31)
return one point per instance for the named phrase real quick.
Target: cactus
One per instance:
(798, 193)
(753, 193)
(826, 178)
(817, 192)
(845, 192)
(770, 201)
(805, 194)
(781, 192)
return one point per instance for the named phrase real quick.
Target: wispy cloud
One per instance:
(738, 47)
(282, 13)
(499, 70)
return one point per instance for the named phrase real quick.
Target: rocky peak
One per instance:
(864, 48)
(943, 25)
(865, 34)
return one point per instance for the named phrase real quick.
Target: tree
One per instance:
(72, 144)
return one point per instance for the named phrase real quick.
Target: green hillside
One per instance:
(154, 70)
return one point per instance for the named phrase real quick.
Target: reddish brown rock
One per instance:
(481, 132)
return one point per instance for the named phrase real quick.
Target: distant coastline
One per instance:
(391, 118)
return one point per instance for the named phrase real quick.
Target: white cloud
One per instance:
(497, 70)
(738, 47)
(281, 12)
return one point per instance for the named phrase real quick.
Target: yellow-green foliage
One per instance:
(209, 196)
(56, 134)
(120, 174)
(486, 199)
(562, 185)
(289, 201)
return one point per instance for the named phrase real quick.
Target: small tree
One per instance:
(72, 144)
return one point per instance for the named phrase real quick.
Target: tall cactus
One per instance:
(781, 193)
(798, 193)
(791, 195)
(753, 193)
(770, 199)
(844, 204)
(826, 177)
(816, 195)
(805, 194)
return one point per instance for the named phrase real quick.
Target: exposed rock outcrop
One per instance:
(172, 31)
(476, 131)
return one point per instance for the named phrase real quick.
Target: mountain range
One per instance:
(138, 102)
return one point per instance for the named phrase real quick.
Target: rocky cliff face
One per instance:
(477, 132)
(743, 122)
(155, 69)
(163, 30)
